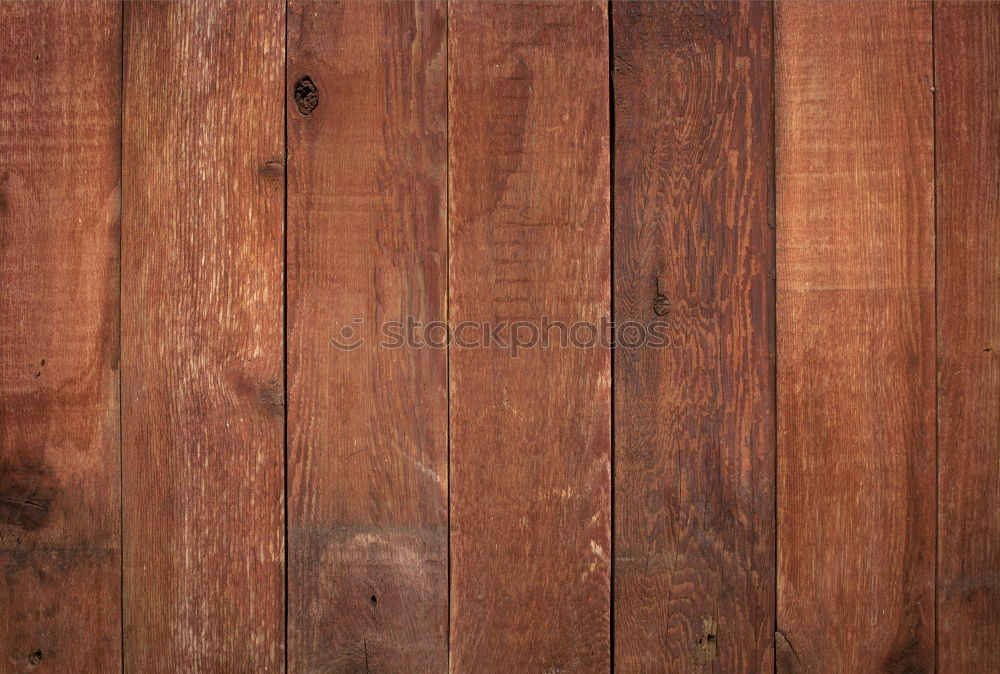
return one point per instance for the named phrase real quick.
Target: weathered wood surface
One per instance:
(855, 317)
(368, 466)
(967, 51)
(202, 337)
(530, 436)
(813, 450)
(694, 421)
(60, 567)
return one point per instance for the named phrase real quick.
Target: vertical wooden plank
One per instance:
(368, 504)
(694, 420)
(60, 568)
(967, 51)
(529, 238)
(203, 454)
(855, 223)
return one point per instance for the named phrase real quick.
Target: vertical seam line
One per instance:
(611, 308)
(937, 369)
(121, 370)
(447, 303)
(773, 214)
(284, 317)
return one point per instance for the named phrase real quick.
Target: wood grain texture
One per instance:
(60, 567)
(203, 451)
(368, 466)
(694, 421)
(529, 237)
(855, 316)
(967, 52)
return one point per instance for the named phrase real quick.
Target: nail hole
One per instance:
(35, 657)
(374, 599)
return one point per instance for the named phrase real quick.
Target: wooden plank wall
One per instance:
(529, 227)
(967, 52)
(368, 428)
(855, 315)
(694, 420)
(202, 337)
(805, 197)
(59, 477)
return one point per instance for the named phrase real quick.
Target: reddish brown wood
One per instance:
(694, 251)
(203, 451)
(529, 237)
(967, 50)
(368, 498)
(855, 228)
(60, 567)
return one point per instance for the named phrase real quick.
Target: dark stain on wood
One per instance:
(909, 658)
(786, 658)
(26, 498)
(4, 206)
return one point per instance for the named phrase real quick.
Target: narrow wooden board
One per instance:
(203, 449)
(855, 250)
(967, 51)
(367, 426)
(694, 417)
(529, 238)
(60, 566)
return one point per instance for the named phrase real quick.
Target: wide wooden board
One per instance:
(202, 336)
(855, 316)
(368, 468)
(529, 238)
(694, 417)
(60, 567)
